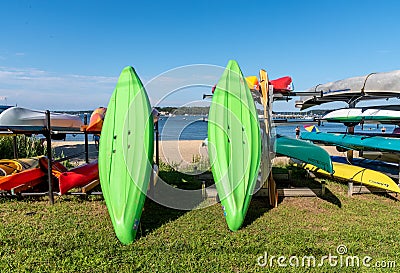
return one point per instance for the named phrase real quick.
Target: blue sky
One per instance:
(68, 54)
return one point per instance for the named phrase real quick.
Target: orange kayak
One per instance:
(96, 120)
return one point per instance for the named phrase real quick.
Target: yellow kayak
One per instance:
(11, 166)
(356, 174)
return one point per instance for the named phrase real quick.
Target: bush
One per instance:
(26, 147)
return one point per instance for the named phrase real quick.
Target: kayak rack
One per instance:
(296, 191)
(360, 189)
(47, 131)
(211, 192)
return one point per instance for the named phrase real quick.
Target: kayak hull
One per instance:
(9, 182)
(234, 142)
(18, 116)
(78, 177)
(356, 142)
(356, 115)
(357, 174)
(126, 154)
(96, 120)
(304, 151)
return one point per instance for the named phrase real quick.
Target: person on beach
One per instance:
(96, 139)
(297, 132)
(396, 130)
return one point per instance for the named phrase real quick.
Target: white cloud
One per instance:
(40, 89)
(183, 85)
(35, 88)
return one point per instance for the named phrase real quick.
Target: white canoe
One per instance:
(18, 116)
(371, 86)
(358, 114)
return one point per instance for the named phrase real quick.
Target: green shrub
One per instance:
(26, 147)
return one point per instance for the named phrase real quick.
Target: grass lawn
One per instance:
(76, 235)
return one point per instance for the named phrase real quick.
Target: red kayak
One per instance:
(9, 182)
(282, 85)
(78, 177)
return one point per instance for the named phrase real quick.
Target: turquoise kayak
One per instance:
(304, 151)
(234, 144)
(356, 142)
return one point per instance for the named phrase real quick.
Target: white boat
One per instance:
(359, 114)
(371, 86)
(4, 107)
(18, 116)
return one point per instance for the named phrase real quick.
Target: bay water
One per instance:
(195, 128)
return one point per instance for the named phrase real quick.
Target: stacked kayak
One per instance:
(356, 115)
(304, 151)
(11, 166)
(96, 120)
(390, 169)
(18, 116)
(17, 172)
(356, 142)
(356, 174)
(77, 177)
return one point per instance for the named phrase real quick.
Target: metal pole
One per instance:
(49, 157)
(15, 148)
(350, 130)
(350, 153)
(155, 168)
(85, 121)
(157, 144)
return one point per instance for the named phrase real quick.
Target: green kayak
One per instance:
(126, 154)
(234, 141)
(304, 151)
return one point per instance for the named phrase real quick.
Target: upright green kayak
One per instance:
(126, 154)
(234, 144)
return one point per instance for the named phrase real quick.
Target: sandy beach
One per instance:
(175, 153)
(71, 148)
(180, 153)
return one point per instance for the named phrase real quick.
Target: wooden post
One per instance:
(350, 190)
(49, 157)
(85, 121)
(323, 187)
(203, 190)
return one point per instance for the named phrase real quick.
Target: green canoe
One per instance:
(126, 154)
(234, 144)
(304, 151)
